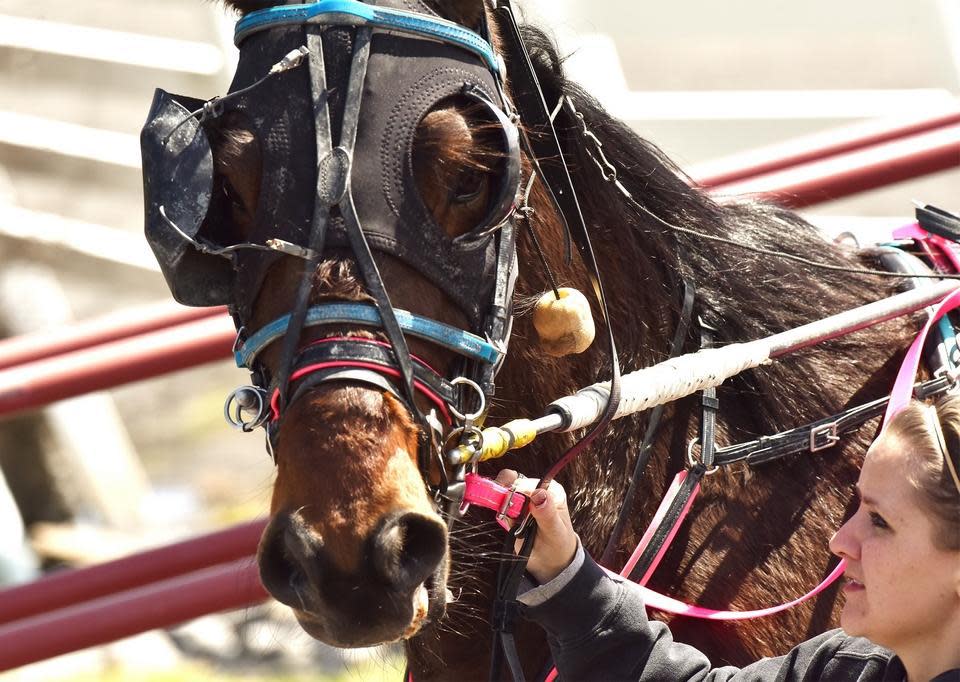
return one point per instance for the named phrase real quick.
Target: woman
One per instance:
(901, 619)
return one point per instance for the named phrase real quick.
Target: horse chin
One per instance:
(352, 629)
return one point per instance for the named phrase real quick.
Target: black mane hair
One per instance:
(742, 294)
(743, 541)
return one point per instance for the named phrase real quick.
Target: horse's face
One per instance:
(355, 544)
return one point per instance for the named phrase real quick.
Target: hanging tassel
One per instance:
(564, 324)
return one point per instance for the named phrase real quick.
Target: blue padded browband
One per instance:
(353, 13)
(457, 340)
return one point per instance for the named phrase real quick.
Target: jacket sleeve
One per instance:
(598, 629)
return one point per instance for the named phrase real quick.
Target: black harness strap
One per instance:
(709, 404)
(694, 476)
(695, 472)
(821, 434)
(321, 212)
(653, 426)
(542, 143)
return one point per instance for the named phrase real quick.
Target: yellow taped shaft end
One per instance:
(522, 430)
(498, 440)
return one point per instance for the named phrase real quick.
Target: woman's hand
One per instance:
(556, 543)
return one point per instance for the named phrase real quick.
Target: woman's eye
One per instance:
(469, 185)
(878, 521)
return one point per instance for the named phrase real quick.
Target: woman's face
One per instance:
(900, 589)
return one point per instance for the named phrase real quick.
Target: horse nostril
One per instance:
(408, 549)
(288, 558)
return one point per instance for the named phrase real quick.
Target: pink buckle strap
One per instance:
(487, 493)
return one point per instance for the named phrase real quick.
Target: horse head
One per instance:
(351, 199)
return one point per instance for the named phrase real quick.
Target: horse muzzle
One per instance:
(398, 586)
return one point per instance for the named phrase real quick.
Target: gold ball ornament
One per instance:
(565, 325)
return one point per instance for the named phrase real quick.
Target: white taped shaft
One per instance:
(663, 383)
(687, 374)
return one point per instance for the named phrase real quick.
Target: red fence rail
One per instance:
(122, 324)
(163, 604)
(90, 606)
(816, 147)
(842, 175)
(67, 588)
(118, 362)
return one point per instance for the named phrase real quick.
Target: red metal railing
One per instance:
(816, 147)
(67, 588)
(122, 324)
(162, 604)
(857, 171)
(114, 363)
(90, 606)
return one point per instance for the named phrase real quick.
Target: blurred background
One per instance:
(96, 477)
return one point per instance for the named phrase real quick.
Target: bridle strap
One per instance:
(653, 427)
(321, 210)
(457, 340)
(368, 266)
(353, 13)
(373, 352)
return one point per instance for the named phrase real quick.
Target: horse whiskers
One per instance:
(296, 591)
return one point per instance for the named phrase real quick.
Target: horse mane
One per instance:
(742, 540)
(743, 294)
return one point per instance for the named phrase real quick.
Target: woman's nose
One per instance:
(843, 543)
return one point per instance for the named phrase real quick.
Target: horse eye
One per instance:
(470, 183)
(233, 196)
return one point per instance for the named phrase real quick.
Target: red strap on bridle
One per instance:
(391, 372)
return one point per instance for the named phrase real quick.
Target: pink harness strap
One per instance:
(662, 602)
(900, 396)
(903, 387)
(484, 492)
(947, 248)
(655, 523)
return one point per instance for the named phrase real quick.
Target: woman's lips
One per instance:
(851, 585)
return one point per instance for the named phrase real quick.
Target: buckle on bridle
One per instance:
(823, 436)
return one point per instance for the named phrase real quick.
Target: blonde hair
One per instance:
(933, 434)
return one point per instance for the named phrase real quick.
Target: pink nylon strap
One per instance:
(669, 604)
(489, 494)
(655, 523)
(903, 387)
(900, 396)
